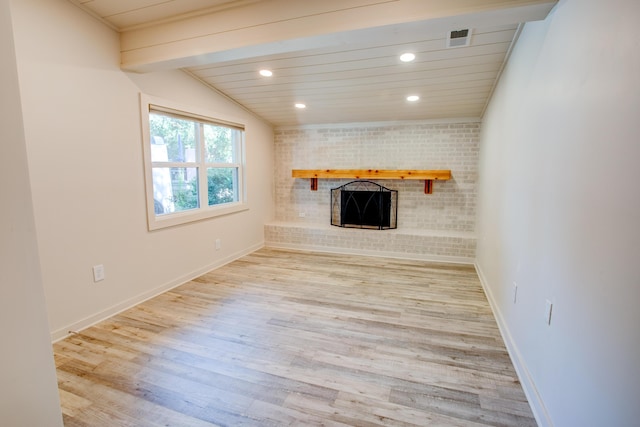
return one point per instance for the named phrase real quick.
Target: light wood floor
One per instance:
(293, 338)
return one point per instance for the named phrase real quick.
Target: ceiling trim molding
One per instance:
(93, 14)
(516, 36)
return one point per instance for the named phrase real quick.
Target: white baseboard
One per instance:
(381, 254)
(124, 305)
(528, 385)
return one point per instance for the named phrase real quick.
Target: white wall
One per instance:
(559, 211)
(28, 390)
(82, 126)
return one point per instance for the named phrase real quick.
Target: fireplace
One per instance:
(364, 204)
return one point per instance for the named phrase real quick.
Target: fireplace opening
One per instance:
(364, 204)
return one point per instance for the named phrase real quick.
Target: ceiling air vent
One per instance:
(459, 38)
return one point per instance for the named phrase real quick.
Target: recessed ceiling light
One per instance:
(266, 73)
(413, 98)
(300, 105)
(407, 57)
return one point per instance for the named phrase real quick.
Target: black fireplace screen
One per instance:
(364, 204)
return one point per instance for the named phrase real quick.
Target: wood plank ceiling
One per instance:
(339, 58)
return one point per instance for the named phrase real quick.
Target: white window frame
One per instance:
(154, 222)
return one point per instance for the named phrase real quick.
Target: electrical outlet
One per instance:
(515, 292)
(218, 244)
(302, 214)
(547, 312)
(98, 273)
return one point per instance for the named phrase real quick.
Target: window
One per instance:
(193, 164)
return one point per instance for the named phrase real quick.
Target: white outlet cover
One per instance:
(98, 273)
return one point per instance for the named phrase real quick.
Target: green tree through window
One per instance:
(182, 150)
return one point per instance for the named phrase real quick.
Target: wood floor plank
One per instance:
(299, 338)
(392, 414)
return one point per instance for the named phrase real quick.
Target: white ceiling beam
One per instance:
(278, 26)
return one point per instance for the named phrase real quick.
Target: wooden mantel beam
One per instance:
(372, 174)
(412, 174)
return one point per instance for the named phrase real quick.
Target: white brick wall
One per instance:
(449, 211)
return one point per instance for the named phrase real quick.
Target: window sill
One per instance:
(186, 217)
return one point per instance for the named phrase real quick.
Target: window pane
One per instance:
(175, 189)
(222, 185)
(172, 139)
(219, 144)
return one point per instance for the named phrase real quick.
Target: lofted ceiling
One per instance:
(338, 57)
